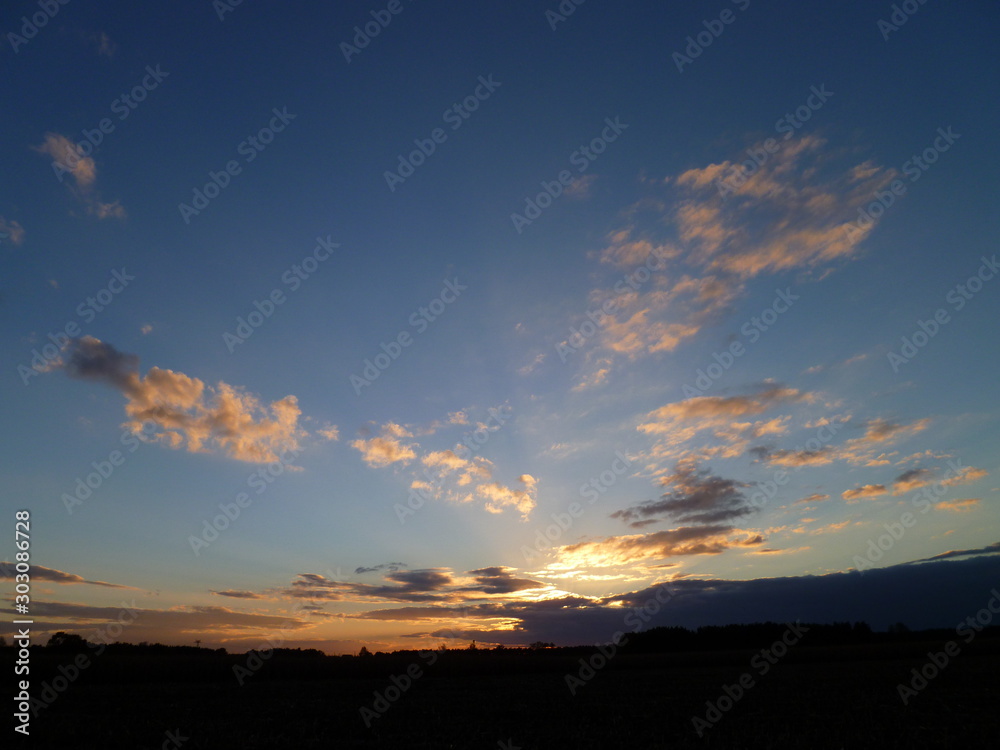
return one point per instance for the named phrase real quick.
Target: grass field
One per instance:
(825, 697)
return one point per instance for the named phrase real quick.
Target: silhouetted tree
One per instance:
(364, 651)
(66, 642)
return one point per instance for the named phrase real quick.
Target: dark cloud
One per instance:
(880, 597)
(698, 497)
(92, 359)
(426, 585)
(392, 566)
(990, 549)
(189, 620)
(41, 573)
(499, 580)
(239, 594)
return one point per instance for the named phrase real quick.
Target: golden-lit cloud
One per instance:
(184, 412)
(681, 421)
(867, 490)
(329, 432)
(965, 475)
(454, 474)
(446, 460)
(499, 497)
(791, 213)
(657, 545)
(962, 505)
(816, 497)
(382, 451)
(912, 479)
(68, 159)
(795, 212)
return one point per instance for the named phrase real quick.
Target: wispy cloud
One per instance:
(68, 159)
(11, 231)
(867, 490)
(41, 573)
(962, 505)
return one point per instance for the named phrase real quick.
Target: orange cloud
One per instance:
(867, 490)
(960, 506)
(188, 414)
(627, 549)
(382, 451)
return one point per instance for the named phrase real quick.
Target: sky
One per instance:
(400, 324)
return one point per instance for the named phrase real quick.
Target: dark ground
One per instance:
(819, 697)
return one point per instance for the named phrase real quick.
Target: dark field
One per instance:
(820, 697)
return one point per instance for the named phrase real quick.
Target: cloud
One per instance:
(816, 497)
(454, 474)
(697, 497)
(681, 421)
(878, 432)
(392, 566)
(239, 594)
(107, 210)
(69, 159)
(965, 475)
(8, 571)
(860, 450)
(424, 585)
(912, 479)
(713, 411)
(188, 414)
(105, 47)
(794, 212)
(658, 545)
(498, 497)
(386, 449)
(446, 461)
(797, 212)
(329, 432)
(532, 365)
(777, 551)
(11, 230)
(66, 157)
(799, 458)
(580, 187)
(868, 490)
(163, 625)
(988, 550)
(959, 505)
(501, 580)
(428, 584)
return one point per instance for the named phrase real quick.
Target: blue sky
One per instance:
(689, 255)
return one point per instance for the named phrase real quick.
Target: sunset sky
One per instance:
(498, 322)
